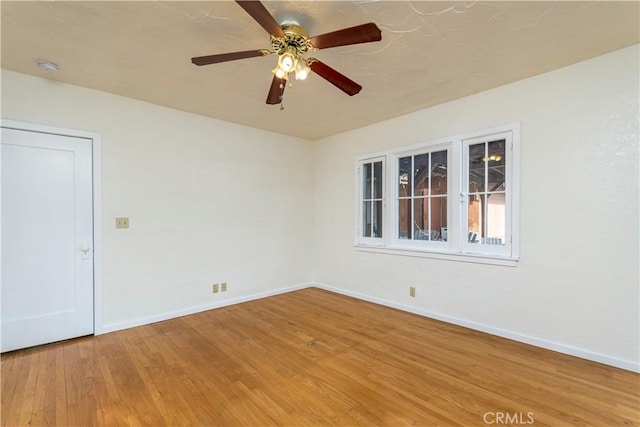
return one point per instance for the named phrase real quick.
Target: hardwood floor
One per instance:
(309, 357)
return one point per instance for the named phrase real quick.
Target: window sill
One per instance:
(449, 256)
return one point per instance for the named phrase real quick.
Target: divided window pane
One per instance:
(454, 197)
(487, 193)
(372, 197)
(422, 196)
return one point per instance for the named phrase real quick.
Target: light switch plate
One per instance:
(122, 222)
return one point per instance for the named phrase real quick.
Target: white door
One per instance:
(47, 238)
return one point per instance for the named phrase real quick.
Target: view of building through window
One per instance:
(455, 195)
(422, 196)
(486, 193)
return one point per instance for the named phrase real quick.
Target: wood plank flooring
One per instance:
(309, 358)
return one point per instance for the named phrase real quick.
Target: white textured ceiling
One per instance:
(430, 53)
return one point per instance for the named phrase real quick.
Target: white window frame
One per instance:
(456, 247)
(360, 238)
(485, 249)
(392, 184)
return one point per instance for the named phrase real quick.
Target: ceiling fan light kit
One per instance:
(291, 42)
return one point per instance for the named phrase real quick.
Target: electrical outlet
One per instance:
(223, 287)
(216, 288)
(122, 222)
(412, 291)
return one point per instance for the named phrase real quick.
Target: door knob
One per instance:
(85, 250)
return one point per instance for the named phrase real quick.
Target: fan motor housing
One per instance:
(294, 36)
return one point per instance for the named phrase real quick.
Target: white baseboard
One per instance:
(538, 342)
(112, 327)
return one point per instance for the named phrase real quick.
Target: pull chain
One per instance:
(282, 86)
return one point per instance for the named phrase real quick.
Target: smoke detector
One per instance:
(48, 66)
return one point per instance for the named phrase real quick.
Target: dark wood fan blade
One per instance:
(276, 92)
(337, 79)
(224, 57)
(364, 33)
(261, 16)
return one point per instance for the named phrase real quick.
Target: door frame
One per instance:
(96, 160)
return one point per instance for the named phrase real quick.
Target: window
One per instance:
(486, 203)
(422, 196)
(453, 198)
(371, 175)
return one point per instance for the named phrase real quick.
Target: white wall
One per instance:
(208, 201)
(212, 201)
(576, 286)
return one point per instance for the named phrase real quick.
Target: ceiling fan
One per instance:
(291, 42)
